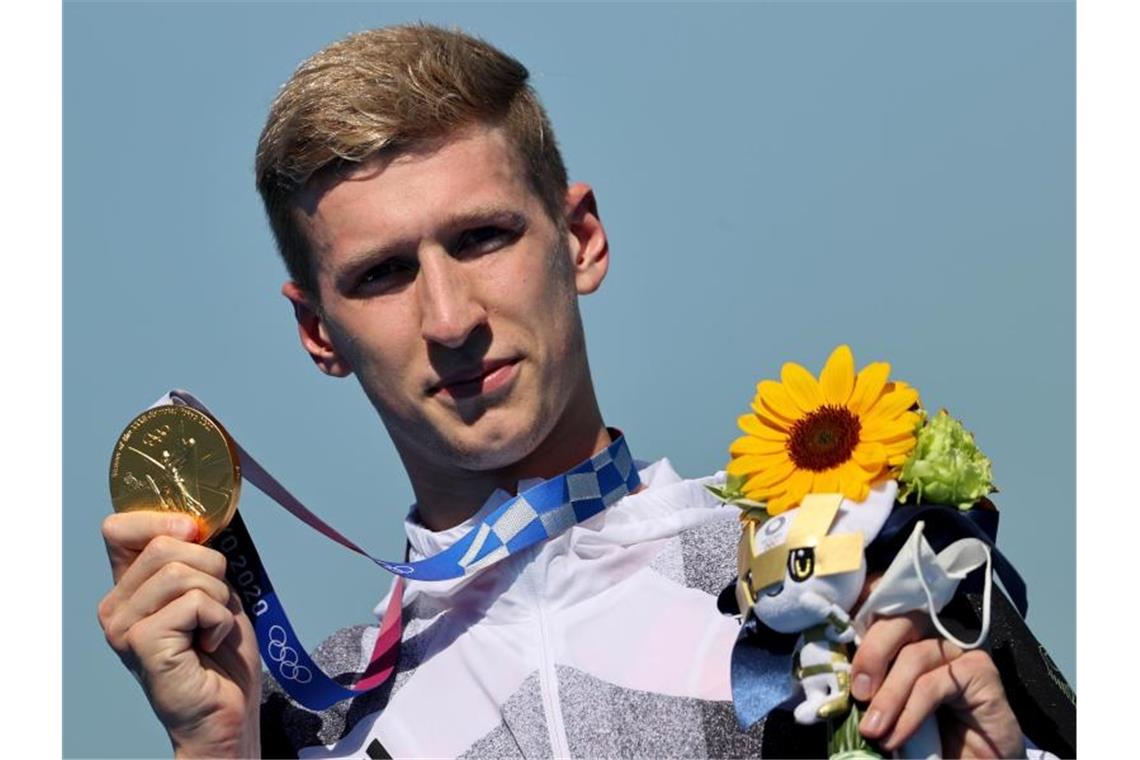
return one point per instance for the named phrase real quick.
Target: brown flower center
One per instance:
(824, 439)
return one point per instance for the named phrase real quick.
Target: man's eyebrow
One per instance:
(486, 215)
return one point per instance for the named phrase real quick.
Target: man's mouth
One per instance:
(484, 378)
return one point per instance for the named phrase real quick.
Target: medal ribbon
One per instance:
(539, 513)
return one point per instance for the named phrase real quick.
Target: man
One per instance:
(436, 251)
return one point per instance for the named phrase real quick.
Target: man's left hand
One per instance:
(907, 675)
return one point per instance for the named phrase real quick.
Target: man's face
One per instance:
(447, 289)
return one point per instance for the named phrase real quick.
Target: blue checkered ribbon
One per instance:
(531, 517)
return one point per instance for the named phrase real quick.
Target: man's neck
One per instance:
(444, 500)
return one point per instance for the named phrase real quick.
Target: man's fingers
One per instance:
(946, 684)
(170, 582)
(212, 638)
(126, 534)
(163, 551)
(168, 633)
(912, 662)
(884, 639)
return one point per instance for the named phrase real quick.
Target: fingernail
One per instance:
(870, 722)
(861, 687)
(182, 527)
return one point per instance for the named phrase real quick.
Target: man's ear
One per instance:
(314, 332)
(589, 248)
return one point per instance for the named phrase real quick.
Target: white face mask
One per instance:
(918, 579)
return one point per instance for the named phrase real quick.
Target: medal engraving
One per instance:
(177, 459)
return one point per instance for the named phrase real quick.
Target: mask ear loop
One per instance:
(930, 597)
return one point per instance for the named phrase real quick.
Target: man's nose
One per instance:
(449, 310)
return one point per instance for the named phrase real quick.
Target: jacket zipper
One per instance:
(548, 677)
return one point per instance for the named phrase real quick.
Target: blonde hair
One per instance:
(384, 91)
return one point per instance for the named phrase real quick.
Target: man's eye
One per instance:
(390, 273)
(484, 239)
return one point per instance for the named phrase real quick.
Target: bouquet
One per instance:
(824, 468)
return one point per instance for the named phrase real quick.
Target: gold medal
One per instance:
(177, 459)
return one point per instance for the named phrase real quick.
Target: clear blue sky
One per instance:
(776, 179)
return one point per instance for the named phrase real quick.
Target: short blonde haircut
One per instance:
(382, 92)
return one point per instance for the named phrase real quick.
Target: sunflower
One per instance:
(837, 435)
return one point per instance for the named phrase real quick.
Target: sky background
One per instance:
(775, 179)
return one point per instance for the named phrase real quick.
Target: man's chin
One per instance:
(496, 453)
(494, 443)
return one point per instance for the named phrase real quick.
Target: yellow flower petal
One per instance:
(783, 499)
(854, 482)
(798, 485)
(872, 427)
(770, 477)
(773, 421)
(752, 445)
(774, 396)
(749, 464)
(754, 426)
(890, 405)
(838, 377)
(870, 456)
(734, 467)
(868, 387)
(766, 493)
(780, 504)
(906, 438)
(802, 387)
(902, 446)
(888, 431)
(898, 451)
(826, 481)
(863, 493)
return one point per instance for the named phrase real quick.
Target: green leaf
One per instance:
(717, 491)
(730, 494)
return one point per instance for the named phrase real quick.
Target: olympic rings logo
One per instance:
(398, 569)
(773, 526)
(286, 657)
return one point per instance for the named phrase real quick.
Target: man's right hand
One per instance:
(179, 627)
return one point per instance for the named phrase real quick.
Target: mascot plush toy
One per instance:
(802, 571)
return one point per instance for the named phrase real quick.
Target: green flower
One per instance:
(946, 466)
